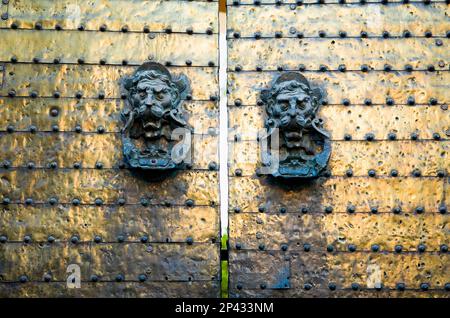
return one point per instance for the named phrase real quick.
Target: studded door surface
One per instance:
(71, 209)
(374, 223)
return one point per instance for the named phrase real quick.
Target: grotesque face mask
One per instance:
(291, 107)
(153, 111)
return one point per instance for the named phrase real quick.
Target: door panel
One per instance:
(377, 216)
(67, 196)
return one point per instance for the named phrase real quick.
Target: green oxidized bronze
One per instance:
(152, 115)
(304, 146)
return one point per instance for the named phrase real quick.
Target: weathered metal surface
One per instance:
(65, 197)
(108, 185)
(293, 128)
(88, 150)
(354, 86)
(345, 269)
(384, 68)
(171, 289)
(114, 47)
(91, 80)
(133, 222)
(90, 114)
(113, 15)
(373, 18)
(358, 157)
(250, 193)
(159, 262)
(315, 2)
(357, 121)
(318, 230)
(352, 52)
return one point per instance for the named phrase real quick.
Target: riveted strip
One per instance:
(89, 151)
(346, 270)
(357, 122)
(356, 87)
(354, 53)
(208, 289)
(113, 16)
(108, 186)
(398, 20)
(106, 260)
(354, 159)
(91, 115)
(251, 193)
(92, 81)
(322, 2)
(357, 232)
(65, 45)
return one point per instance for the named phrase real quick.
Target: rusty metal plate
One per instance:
(87, 149)
(250, 193)
(354, 86)
(405, 156)
(373, 18)
(270, 269)
(314, 52)
(155, 15)
(115, 47)
(91, 80)
(113, 290)
(90, 114)
(62, 221)
(343, 269)
(108, 185)
(357, 121)
(159, 262)
(318, 230)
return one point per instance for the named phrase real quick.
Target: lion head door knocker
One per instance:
(297, 146)
(151, 117)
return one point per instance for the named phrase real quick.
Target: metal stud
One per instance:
(47, 278)
(284, 247)
(81, 27)
(346, 102)
(330, 248)
(347, 137)
(328, 209)
(421, 248)
(392, 136)
(190, 30)
(331, 286)
(387, 68)
(97, 239)
(12, 93)
(390, 101)
(373, 210)
(342, 34)
(420, 209)
(424, 286)
(414, 136)
(370, 136)
(306, 247)
(120, 238)
(32, 129)
(307, 286)
(28, 201)
(355, 286)
(398, 248)
(212, 166)
(364, 68)
(189, 202)
(53, 201)
(416, 173)
(397, 210)
(74, 239)
(142, 278)
(443, 248)
(351, 208)
(442, 209)
(283, 210)
(364, 34)
(27, 239)
(367, 101)
(351, 248)
(94, 278)
(120, 278)
(144, 239)
(406, 34)
(375, 248)
(400, 286)
(76, 202)
(23, 279)
(342, 68)
(408, 68)
(436, 136)
(51, 239)
(3, 239)
(124, 29)
(6, 201)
